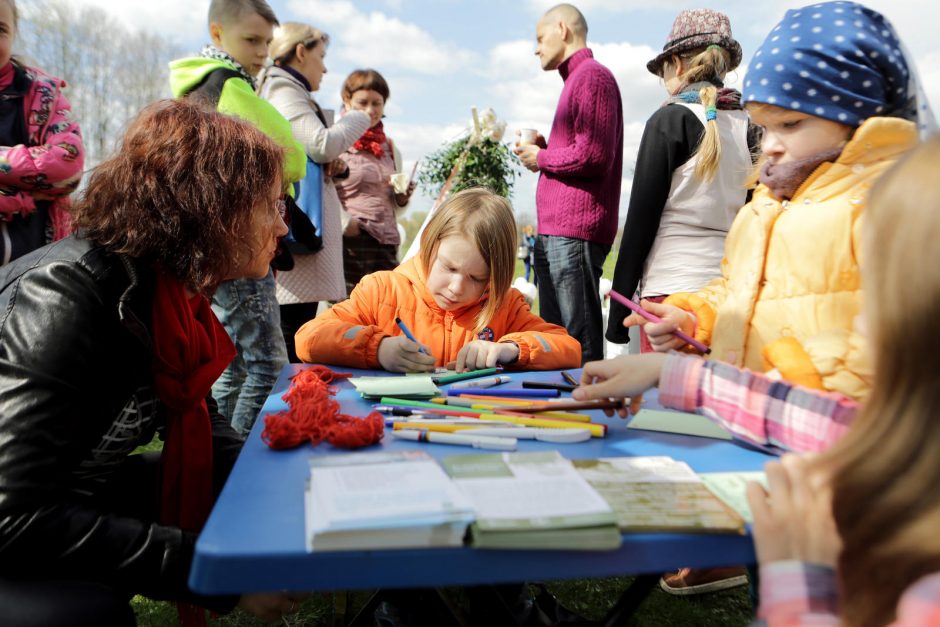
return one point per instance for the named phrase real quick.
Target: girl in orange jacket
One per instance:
(455, 297)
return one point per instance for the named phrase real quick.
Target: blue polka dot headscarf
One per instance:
(836, 60)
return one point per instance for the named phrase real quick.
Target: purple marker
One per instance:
(632, 306)
(503, 393)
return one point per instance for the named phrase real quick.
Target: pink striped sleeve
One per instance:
(796, 593)
(754, 408)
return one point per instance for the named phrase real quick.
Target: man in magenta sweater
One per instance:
(578, 194)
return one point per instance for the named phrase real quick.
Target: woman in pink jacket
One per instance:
(41, 154)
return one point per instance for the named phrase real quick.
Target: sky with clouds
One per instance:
(442, 57)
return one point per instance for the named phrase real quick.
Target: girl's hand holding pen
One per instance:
(660, 334)
(399, 354)
(480, 354)
(627, 376)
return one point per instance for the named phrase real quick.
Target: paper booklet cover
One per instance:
(532, 501)
(658, 494)
(383, 500)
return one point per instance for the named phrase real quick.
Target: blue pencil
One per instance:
(410, 336)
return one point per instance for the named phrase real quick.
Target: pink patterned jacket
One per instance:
(50, 166)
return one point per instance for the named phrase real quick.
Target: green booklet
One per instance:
(399, 386)
(678, 422)
(731, 487)
(532, 501)
(658, 494)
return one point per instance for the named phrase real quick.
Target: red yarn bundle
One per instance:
(314, 416)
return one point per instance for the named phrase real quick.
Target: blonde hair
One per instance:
(706, 64)
(283, 47)
(486, 219)
(886, 470)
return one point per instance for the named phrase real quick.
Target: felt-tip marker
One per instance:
(410, 336)
(632, 306)
(487, 382)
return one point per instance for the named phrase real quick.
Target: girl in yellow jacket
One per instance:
(833, 92)
(455, 297)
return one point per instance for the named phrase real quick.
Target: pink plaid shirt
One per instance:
(754, 408)
(796, 593)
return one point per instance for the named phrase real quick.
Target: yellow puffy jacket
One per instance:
(790, 291)
(349, 333)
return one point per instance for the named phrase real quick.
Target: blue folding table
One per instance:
(254, 538)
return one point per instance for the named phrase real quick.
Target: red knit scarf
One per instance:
(190, 351)
(372, 140)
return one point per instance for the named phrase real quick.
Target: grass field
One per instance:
(589, 597)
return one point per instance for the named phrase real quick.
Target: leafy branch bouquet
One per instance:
(477, 158)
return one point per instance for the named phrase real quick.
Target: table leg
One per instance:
(430, 608)
(630, 600)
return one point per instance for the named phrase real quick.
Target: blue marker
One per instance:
(410, 336)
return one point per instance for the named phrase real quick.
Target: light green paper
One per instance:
(731, 487)
(413, 386)
(678, 422)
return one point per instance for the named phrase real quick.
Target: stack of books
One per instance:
(659, 494)
(383, 501)
(532, 500)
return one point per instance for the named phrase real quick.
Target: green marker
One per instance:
(473, 374)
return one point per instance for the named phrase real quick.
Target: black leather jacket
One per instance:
(75, 399)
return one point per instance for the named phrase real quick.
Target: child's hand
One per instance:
(627, 376)
(482, 354)
(399, 354)
(794, 520)
(660, 333)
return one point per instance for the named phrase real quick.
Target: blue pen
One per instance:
(410, 336)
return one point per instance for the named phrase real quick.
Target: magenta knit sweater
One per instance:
(579, 188)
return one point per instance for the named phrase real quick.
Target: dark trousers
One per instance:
(293, 317)
(568, 272)
(363, 254)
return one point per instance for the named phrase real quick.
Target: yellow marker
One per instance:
(597, 430)
(560, 415)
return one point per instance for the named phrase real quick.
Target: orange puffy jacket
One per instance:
(349, 333)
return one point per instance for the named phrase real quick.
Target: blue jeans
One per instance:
(249, 312)
(568, 271)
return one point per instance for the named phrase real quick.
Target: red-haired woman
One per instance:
(106, 338)
(370, 237)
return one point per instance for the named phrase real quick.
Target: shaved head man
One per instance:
(579, 167)
(561, 32)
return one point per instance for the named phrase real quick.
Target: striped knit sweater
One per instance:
(579, 187)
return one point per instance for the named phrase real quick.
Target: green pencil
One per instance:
(473, 374)
(410, 402)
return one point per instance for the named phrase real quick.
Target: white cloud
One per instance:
(611, 5)
(178, 20)
(367, 39)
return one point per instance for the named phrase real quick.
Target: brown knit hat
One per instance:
(695, 28)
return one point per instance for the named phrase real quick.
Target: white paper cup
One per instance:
(399, 182)
(527, 136)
